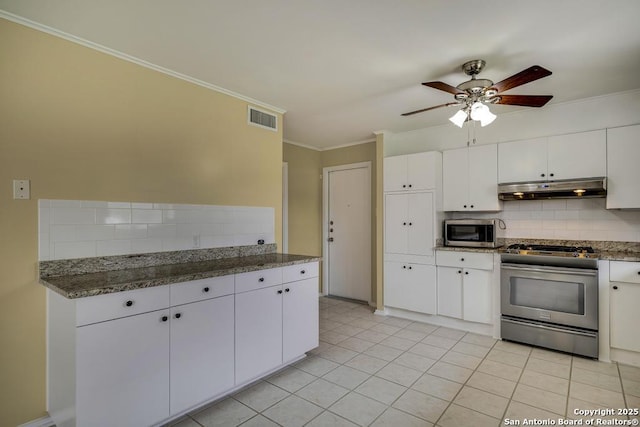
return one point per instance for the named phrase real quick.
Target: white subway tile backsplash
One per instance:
(75, 228)
(113, 216)
(146, 216)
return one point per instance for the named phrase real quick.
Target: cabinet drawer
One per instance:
(121, 304)
(292, 273)
(623, 271)
(198, 290)
(482, 261)
(258, 279)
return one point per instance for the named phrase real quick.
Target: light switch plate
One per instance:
(21, 189)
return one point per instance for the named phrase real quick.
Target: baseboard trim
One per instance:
(40, 422)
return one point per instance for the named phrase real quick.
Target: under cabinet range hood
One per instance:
(563, 189)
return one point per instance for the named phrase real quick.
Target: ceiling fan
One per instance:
(474, 94)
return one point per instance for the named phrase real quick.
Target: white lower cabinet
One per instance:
(624, 296)
(258, 332)
(122, 372)
(138, 358)
(202, 353)
(410, 286)
(463, 292)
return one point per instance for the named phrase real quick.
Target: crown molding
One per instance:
(299, 144)
(129, 58)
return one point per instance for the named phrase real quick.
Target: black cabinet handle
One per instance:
(638, 272)
(461, 259)
(465, 206)
(542, 175)
(261, 279)
(472, 206)
(129, 303)
(404, 266)
(302, 272)
(410, 267)
(466, 272)
(459, 271)
(164, 318)
(404, 186)
(615, 287)
(404, 223)
(279, 291)
(178, 315)
(409, 185)
(550, 174)
(410, 223)
(206, 289)
(286, 290)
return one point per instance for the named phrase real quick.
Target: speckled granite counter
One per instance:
(607, 250)
(96, 276)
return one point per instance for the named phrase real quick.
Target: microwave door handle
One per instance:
(574, 271)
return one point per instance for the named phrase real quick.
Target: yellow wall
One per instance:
(305, 195)
(85, 125)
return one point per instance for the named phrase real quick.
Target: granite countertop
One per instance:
(611, 251)
(99, 281)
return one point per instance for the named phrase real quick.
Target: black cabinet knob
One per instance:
(404, 186)
(461, 259)
(302, 272)
(279, 291)
(164, 318)
(550, 174)
(542, 175)
(465, 206)
(459, 271)
(615, 287)
(286, 290)
(638, 272)
(410, 267)
(410, 186)
(206, 289)
(410, 223)
(178, 315)
(404, 223)
(466, 272)
(261, 279)
(404, 266)
(472, 206)
(128, 303)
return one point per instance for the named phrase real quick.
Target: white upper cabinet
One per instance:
(418, 171)
(522, 160)
(623, 171)
(409, 224)
(470, 179)
(576, 155)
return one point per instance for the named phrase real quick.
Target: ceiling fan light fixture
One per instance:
(481, 112)
(459, 118)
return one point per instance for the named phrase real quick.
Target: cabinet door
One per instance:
(420, 232)
(395, 223)
(524, 160)
(258, 332)
(455, 179)
(450, 292)
(577, 155)
(300, 318)
(623, 171)
(122, 371)
(483, 178)
(421, 171)
(202, 353)
(410, 286)
(476, 295)
(395, 173)
(625, 316)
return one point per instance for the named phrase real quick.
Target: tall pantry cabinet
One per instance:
(412, 187)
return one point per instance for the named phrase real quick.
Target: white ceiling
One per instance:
(343, 69)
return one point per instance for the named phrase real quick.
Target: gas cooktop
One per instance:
(552, 250)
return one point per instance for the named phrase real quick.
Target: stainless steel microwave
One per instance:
(472, 233)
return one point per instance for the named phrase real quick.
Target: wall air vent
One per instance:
(262, 119)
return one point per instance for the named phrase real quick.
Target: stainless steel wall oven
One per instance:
(549, 298)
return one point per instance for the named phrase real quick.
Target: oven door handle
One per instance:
(538, 269)
(549, 327)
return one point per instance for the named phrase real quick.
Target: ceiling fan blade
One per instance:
(532, 73)
(524, 100)
(431, 108)
(443, 86)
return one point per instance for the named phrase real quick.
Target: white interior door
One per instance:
(348, 236)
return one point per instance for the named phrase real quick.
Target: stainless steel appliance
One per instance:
(561, 189)
(549, 297)
(472, 233)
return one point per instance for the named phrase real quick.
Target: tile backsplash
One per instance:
(78, 229)
(568, 219)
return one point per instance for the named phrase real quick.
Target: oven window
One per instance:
(565, 297)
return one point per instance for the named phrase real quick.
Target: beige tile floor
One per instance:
(372, 370)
